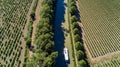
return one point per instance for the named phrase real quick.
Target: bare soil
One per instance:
(23, 43)
(37, 18)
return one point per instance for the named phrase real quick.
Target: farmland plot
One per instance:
(101, 26)
(12, 21)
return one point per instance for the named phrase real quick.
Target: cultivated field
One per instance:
(12, 21)
(101, 29)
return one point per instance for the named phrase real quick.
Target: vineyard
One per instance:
(12, 22)
(114, 62)
(101, 26)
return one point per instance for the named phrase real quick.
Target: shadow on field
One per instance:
(77, 14)
(80, 31)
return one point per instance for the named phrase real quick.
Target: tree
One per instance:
(76, 31)
(77, 37)
(82, 63)
(72, 10)
(80, 55)
(36, 60)
(73, 19)
(72, 3)
(78, 46)
(49, 46)
(54, 55)
(46, 11)
(44, 30)
(75, 25)
(48, 62)
(49, 2)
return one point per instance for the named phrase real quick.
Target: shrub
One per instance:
(75, 25)
(72, 10)
(82, 63)
(76, 31)
(80, 55)
(73, 19)
(78, 46)
(77, 37)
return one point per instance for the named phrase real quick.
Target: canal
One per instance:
(59, 34)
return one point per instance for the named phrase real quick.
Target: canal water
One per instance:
(59, 34)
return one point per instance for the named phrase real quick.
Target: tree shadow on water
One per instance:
(59, 34)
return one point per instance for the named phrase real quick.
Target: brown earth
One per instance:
(37, 18)
(23, 42)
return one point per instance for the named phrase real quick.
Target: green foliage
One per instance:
(75, 25)
(80, 55)
(78, 46)
(32, 15)
(36, 59)
(28, 42)
(49, 2)
(76, 31)
(26, 56)
(49, 46)
(48, 62)
(72, 10)
(72, 3)
(73, 19)
(35, 5)
(82, 63)
(44, 37)
(77, 37)
(46, 11)
(29, 28)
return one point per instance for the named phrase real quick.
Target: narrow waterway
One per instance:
(59, 34)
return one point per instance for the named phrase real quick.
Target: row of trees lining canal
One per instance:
(80, 52)
(44, 54)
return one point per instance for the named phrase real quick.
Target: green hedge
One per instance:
(44, 55)
(77, 36)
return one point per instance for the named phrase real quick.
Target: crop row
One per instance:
(114, 62)
(101, 26)
(101, 32)
(13, 21)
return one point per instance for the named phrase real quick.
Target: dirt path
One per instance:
(37, 18)
(72, 36)
(23, 43)
(67, 40)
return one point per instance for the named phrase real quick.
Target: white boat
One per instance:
(66, 55)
